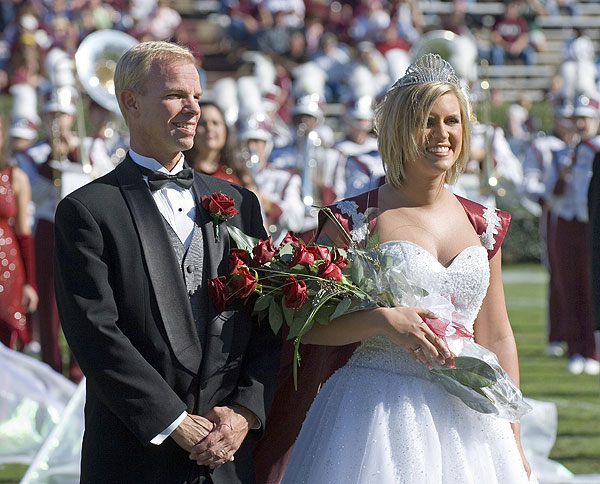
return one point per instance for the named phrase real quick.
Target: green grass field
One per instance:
(577, 398)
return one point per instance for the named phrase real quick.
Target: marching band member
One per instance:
(308, 156)
(43, 162)
(105, 147)
(278, 190)
(360, 161)
(538, 161)
(567, 186)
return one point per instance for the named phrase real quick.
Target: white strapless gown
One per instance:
(381, 420)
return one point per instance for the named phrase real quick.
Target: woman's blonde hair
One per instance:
(133, 68)
(400, 122)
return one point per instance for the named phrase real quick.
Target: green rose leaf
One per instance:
(275, 317)
(242, 241)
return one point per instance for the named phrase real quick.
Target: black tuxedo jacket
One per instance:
(594, 238)
(126, 315)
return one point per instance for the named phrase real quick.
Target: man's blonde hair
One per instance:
(133, 68)
(400, 122)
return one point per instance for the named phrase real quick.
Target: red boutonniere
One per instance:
(221, 208)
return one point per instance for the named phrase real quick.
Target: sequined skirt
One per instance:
(379, 419)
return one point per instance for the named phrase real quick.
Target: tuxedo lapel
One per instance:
(167, 281)
(218, 251)
(219, 340)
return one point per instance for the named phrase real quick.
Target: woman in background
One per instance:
(213, 152)
(18, 296)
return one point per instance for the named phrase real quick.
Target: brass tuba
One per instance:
(96, 60)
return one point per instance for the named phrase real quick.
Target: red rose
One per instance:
(242, 283)
(238, 257)
(319, 251)
(302, 256)
(218, 292)
(220, 205)
(341, 262)
(263, 251)
(290, 239)
(294, 292)
(330, 270)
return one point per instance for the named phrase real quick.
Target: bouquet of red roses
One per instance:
(298, 283)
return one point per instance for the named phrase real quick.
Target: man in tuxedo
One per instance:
(594, 245)
(175, 388)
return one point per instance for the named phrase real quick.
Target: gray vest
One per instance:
(192, 263)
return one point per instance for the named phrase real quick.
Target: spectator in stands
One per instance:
(456, 19)
(332, 59)
(297, 53)
(295, 11)
(185, 35)
(8, 11)
(518, 122)
(370, 24)
(26, 40)
(510, 37)
(366, 75)
(314, 28)
(408, 18)
(578, 69)
(124, 19)
(392, 40)
(531, 10)
(247, 21)
(162, 23)
(339, 20)
(275, 39)
(559, 7)
(96, 15)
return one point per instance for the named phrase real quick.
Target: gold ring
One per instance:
(222, 452)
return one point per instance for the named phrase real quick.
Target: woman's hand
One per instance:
(406, 327)
(516, 428)
(30, 298)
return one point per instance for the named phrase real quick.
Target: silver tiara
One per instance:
(428, 68)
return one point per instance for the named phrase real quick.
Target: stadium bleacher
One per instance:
(510, 80)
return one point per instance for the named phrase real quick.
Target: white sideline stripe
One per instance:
(516, 276)
(526, 302)
(578, 404)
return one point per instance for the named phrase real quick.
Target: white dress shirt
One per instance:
(176, 204)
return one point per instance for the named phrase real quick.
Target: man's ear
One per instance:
(129, 101)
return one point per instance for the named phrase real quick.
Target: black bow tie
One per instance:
(158, 179)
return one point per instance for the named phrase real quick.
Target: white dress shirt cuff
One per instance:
(160, 438)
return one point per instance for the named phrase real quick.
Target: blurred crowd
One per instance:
(293, 122)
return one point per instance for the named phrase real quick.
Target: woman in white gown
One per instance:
(380, 418)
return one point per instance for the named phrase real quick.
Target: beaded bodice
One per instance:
(464, 282)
